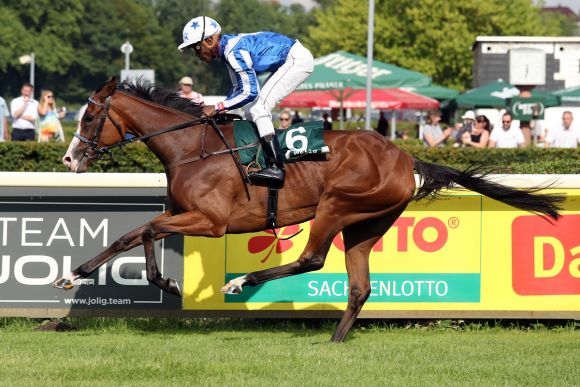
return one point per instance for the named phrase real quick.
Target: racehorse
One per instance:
(360, 188)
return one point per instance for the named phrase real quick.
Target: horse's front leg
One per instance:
(188, 223)
(125, 243)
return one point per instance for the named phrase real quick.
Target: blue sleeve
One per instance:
(245, 86)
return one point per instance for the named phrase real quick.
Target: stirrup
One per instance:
(272, 177)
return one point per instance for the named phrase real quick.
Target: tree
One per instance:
(430, 36)
(44, 27)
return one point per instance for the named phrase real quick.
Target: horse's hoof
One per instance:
(230, 288)
(63, 283)
(234, 286)
(173, 287)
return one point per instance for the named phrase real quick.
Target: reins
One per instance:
(100, 152)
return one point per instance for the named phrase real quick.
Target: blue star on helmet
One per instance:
(194, 25)
(214, 24)
(185, 36)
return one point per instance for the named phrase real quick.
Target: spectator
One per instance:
(285, 119)
(506, 136)
(433, 135)
(382, 124)
(24, 110)
(297, 119)
(49, 118)
(4, 114)
(479, 135)
(565, 135)
(186, 90)
(468, 123)
(326, 121)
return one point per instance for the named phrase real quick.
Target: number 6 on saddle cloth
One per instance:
(297, 142)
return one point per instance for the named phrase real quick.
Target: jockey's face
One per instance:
(207, 50)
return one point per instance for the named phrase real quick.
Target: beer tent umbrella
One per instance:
(340, 73)
(342, 69)
(569, 95)
(497, 95)
(437, 92)
(391, 99)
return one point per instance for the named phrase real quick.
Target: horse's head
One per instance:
(98, 128)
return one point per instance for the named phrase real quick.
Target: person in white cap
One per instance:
(245, 56)
(186, 90)
(468, 124)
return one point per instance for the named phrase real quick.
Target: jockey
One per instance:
(245, 56)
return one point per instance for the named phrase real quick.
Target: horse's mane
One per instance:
(161, 96)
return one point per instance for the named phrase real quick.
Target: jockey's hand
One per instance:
(209, 111)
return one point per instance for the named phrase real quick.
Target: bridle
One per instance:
(92, 144)
(100, 152)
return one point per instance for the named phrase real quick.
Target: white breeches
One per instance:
(298, 66)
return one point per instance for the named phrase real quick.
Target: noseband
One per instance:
(100, 152)
(92, 144)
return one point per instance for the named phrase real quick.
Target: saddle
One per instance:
(296, 142)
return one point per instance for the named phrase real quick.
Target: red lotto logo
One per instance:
(266, 243)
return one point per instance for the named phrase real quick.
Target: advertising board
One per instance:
(47, 232)
(465, 255)
(461, 256)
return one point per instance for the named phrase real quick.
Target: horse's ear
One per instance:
(110, 86)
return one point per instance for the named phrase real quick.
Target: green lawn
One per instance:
(224, 352)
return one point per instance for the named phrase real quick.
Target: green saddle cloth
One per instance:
(297, 141)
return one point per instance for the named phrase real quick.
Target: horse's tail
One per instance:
(436, 177)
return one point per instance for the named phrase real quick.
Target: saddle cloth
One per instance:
(299, 140)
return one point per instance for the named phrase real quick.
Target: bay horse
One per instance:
(360, 188)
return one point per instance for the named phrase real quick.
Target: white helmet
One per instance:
(197, 29)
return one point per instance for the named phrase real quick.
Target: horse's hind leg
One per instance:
(359, 239)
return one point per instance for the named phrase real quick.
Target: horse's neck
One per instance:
(169, 146)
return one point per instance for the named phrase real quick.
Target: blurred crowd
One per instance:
(478, 132)
(33, 120)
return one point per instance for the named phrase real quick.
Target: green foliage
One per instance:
(526, 160)
(430, 36)
(30, 157)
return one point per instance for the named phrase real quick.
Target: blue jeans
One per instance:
(22, 134)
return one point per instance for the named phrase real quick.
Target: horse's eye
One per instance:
(88, 118)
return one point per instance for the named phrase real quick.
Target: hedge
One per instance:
(43, 157)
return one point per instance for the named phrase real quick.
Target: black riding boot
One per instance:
(273, 175)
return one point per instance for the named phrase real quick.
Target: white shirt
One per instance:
(31, 110)
(510, 138)
(559, 137)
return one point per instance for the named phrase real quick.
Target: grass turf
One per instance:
(219, 352)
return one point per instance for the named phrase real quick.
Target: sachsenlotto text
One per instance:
(463, 253)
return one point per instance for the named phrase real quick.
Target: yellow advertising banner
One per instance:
(461, 253)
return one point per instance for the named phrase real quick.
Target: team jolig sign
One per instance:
(43, 238)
